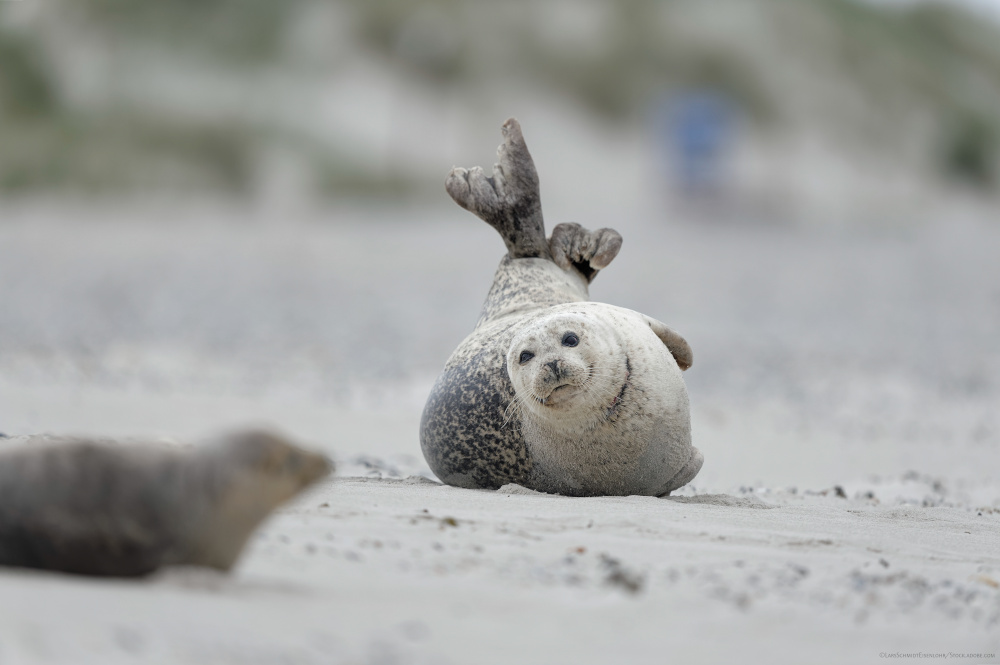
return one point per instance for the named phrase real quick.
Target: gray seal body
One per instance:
(551, 391)
(94, 507)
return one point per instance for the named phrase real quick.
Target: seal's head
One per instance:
(569, 367)
(277, 466)
(249, 474)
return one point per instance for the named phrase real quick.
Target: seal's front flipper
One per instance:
(677, 345)
(587, 252)
(509, 200)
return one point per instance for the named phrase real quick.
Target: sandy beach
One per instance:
(844, 394)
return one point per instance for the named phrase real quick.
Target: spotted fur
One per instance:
(474, 431)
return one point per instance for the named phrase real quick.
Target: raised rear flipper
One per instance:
(509, 200)
(575, 248)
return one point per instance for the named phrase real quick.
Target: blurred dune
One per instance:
(840, 109)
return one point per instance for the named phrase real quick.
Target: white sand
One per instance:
(868, 363)
(389, 570)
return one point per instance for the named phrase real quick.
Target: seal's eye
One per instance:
(525, 357)
(570, 339)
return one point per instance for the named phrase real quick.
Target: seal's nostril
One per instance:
(554, 366)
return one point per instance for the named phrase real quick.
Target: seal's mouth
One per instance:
(559, 395)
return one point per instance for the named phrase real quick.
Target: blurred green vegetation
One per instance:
(969, 151)
(615, 59)
(26, 89)
(241, 32)
(117, 152)
(48, 145)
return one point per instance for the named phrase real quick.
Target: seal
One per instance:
(551, 391)
(96, 507)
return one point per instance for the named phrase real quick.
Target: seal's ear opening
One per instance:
(677, 345)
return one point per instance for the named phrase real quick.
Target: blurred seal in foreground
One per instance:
(551, 391)
(103, 508)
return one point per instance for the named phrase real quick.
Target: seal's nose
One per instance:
(554, 366)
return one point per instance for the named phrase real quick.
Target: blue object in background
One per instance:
(696, 130)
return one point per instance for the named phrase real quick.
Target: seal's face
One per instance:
(568, 366)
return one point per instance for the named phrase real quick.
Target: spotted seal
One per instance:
(552, 391)
(95, 507)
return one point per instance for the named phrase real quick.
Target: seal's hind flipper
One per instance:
(676, 344)
(574, 247)
(509, 200)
